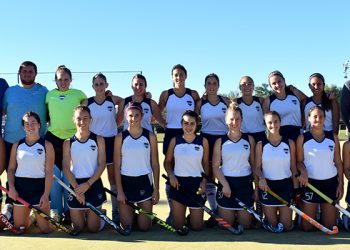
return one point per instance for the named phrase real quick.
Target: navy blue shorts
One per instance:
(328, 187)
(211, 141)
(95, 195)
(169, 134)
(29, 189)
(241, 188)
(187, 194)
(57, 144)
(137, 189)
(290, 132)
(109, 148)
(284, 188)
(347, 198)
(258, 136)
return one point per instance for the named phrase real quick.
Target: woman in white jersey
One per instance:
(232, 165)
(30, 173)
(320, 98)
(136, 169)
(287, 103)
(103, 123)
(186, 159)
(319, 162)
(212, 108)
(84, 160)
(276, 170)
(175, 102)
(60, 104)
(149, 106)
(251, 106)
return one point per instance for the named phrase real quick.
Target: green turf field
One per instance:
(160, 238)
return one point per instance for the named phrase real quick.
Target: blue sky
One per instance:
(230, 38)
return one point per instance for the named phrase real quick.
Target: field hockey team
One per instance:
(244, 149)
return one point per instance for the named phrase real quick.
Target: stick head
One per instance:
(335, 231)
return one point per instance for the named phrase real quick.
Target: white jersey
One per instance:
(84, 156)
(213, 117)
(276, 160)
(31, 159)
(235, 156)
(253, 117)
(328, 122)
(136, 154)
(103, 115)
(188, 157)
(319, 156)
(176, 106)
(147, 113)
(288, 108)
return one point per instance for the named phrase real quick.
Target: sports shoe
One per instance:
(54, 214)
(66, 218)
(32, 217)
(7, 211)
(211, 222)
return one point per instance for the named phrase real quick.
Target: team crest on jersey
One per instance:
(331, 147)
(110, 108)
(189, 103)
(146, 144)
(257, 108)
(196, 148)
(245, 146)
(286, 150)
(223, 110)
(61, 97)
(93, 147)
(294, 102)
(146, 110)
(142, 192)
(220, 195)
(40, 151)
(100, 196)
(70, 197)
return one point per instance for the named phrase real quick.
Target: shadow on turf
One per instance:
(207, 235)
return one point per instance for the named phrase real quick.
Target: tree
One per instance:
(231, 95)
(334, 89)
(263, 90)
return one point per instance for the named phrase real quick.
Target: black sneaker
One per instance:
(211, 222)
(66, 218)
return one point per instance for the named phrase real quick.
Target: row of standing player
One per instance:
(179, 91)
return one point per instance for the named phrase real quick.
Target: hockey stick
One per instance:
(9, 225)
(93, 208)
(264, 222)
(44, 215)
(304, 215)
(152, 216)
(329, 200)
(219, 220)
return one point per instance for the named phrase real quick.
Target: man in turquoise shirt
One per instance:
(19, 99)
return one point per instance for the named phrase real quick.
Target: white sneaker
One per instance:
(7, 211)
(54, 214)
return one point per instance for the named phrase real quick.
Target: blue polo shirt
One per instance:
(16, 102)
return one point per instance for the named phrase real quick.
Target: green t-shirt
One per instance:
(60, 106)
